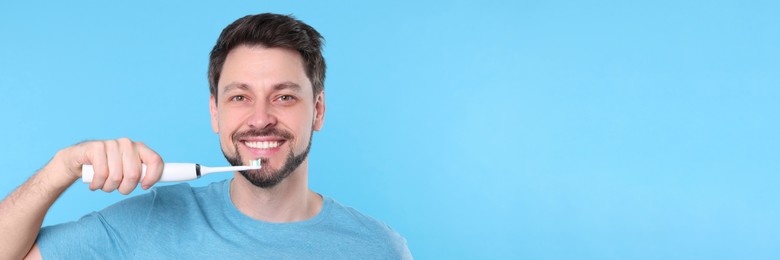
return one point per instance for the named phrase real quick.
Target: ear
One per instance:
(319, 111)
(214, 114)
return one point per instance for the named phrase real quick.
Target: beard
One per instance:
(266, 177)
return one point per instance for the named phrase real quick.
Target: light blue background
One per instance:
(477, 129)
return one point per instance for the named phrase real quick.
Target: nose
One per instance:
(262, 116)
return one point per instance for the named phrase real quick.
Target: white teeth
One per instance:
(263, 144)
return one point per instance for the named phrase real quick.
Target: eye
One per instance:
(238, 98)
(286, 98)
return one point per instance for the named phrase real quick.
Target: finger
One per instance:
(131, 164)
(96, 153)
(154, 165)
(114, 158)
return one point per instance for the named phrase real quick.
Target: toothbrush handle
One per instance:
(172, 172)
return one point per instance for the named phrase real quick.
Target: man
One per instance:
(266, 76)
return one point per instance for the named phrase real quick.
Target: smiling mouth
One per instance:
(263, 144)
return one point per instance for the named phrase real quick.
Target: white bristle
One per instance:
(254, 162)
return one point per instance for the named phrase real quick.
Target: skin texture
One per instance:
(262, 92)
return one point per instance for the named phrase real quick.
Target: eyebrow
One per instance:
(287, 85)
(280, 86)
(235, 85)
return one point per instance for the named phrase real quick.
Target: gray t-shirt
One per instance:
(183, 222)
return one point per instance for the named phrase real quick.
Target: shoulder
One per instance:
(367, 227)
(360, 220)
(183, 192)
(161, 199)
(144, 203)
(180, 189)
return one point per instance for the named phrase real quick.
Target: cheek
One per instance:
(304, 121)
(226, 124)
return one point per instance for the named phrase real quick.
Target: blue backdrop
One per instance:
(477, 129)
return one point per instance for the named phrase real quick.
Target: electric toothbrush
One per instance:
(173, 172)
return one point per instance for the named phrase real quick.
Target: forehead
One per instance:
(261, 67)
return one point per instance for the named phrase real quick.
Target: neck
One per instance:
(289, 201)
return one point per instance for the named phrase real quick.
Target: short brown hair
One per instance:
(271, 30)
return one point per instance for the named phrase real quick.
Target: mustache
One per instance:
(262, 132)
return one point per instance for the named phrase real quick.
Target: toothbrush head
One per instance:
(255, 163)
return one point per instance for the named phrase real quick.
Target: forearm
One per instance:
(22, 212)
(117, 165)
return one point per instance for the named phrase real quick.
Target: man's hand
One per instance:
(117, 164)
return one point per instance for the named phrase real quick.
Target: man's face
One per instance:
(265, 109)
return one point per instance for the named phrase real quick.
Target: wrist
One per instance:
(58, 173)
